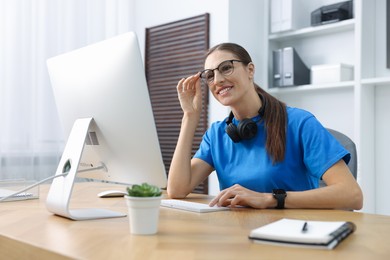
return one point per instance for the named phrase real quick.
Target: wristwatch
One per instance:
(280, 195)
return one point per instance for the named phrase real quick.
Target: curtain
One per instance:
(31, 31)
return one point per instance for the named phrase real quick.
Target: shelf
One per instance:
(310, 88)
(376, 81)
(342, 26)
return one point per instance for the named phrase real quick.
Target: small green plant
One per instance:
(143, 190)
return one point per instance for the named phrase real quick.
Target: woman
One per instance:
(266, 155)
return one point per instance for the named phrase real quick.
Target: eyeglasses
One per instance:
(226, 68)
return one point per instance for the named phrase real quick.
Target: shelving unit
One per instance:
(381, 81)
(346, 25)
(358, 107)
(311, 88)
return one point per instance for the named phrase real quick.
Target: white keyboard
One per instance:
(21, 196)
(190, 206)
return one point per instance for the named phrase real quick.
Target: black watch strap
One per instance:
(280, 196)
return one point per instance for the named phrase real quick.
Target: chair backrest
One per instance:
(350, 146)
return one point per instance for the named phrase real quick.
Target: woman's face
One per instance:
(228, 89)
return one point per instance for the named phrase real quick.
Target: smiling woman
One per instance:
(265, 154)
(31, 139)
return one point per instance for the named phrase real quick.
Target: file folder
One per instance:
(289, 69)
(277, 68)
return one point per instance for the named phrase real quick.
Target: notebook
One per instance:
(314, 234)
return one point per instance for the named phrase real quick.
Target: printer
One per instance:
(332, 13)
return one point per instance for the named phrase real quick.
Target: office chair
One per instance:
(350, 146)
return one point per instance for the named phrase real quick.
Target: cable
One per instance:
(101, 167)
(33, 185)
(66, 170)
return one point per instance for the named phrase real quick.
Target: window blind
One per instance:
(173, 51)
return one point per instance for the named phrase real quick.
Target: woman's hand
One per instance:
(240, 196)
(342, 192)
(186, 173)
(190, 94)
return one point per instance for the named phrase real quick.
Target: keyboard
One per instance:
(21, 196)
(190, 206)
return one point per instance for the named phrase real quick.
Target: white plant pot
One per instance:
(143, 214)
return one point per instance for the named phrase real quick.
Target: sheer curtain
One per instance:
(31, 138)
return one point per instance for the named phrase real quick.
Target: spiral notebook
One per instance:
(313, 234)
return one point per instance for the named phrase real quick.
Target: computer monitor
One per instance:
(103, 103)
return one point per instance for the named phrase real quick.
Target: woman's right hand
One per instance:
(190, 94)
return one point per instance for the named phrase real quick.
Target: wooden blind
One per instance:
(173, 51)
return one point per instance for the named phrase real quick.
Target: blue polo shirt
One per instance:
(310, 151)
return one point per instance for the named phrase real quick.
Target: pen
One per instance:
(304, 228)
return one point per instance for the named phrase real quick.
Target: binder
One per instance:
(301, 233)
(289, 69)
(295, 72)
(277, 67)
(288, 15)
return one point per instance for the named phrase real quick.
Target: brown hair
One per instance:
(275, 113)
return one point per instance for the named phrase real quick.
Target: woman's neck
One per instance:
(248, 107)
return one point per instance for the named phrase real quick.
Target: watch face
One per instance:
(279, 195)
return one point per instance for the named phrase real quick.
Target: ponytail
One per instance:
(275, 121)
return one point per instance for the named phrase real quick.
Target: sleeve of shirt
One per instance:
(204, 151)
(321, 149)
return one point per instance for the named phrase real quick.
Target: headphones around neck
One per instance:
(246, 129)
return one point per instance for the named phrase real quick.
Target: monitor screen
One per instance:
(106, 83)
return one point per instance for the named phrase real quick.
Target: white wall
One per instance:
(247, 27)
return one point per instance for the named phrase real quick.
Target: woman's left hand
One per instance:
(240, 196)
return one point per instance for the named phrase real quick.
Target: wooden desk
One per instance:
(28, 230)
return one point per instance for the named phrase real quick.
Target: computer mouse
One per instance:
(111, 194)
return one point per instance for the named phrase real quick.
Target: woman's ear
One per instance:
(251, 70)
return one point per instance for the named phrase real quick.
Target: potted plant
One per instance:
(143, 202)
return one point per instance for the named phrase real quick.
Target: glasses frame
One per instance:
(208, 82)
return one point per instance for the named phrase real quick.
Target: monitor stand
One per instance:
(60, 191)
